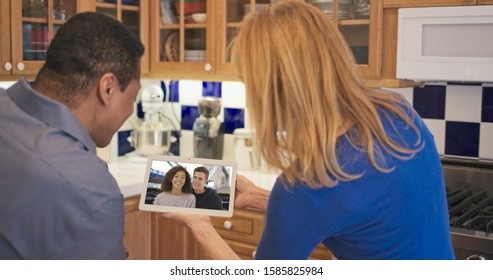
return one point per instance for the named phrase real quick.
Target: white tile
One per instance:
(233, 95)
(408, 93)
(190, 92)
(186, 143)
(173, 112)
(437, 128)
(463, 103)
(486, 141)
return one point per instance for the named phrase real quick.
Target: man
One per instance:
(57, 198)
(204, 197)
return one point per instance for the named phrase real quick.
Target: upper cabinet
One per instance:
(182, 41)
(429, 3)
(134, 15)
(28, 26)
(190, 38)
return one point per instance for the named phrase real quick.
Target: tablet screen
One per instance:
(194, 185)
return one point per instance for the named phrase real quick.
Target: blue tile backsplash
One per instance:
(429, 101)
(487, 105)
(460, 116)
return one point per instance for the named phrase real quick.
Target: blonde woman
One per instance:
(360, 171)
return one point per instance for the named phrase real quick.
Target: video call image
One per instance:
(190, 185)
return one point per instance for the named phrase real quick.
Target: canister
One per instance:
(246, 154)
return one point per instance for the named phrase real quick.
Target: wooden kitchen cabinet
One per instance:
(137, 238)
(241, 232)
(427, 3)
(134, 14)
(171, 241)
(361, 30)
(28, 26)
(182, 46)
(485, 2)
(5, 54)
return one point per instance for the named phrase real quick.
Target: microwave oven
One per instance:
(445, 44)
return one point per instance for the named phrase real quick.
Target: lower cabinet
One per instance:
(137, 238)
(147, 236)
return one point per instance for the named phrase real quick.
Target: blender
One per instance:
(208, 131)
(152, 135)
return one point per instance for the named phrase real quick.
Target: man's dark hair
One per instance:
(87, 46)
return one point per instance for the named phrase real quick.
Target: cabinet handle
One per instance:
(8, 66)
(20, 66)
(207, 67)
(254, 253)
(228, 224)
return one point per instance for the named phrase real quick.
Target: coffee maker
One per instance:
(208, 131)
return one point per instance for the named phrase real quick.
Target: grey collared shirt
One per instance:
(57, 198)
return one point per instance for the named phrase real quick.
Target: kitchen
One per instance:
(466, 107)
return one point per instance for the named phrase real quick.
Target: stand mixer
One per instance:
(153, 134)
(208, 131)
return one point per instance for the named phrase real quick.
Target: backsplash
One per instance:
(460, 116)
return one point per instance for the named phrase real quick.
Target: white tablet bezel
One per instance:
(186, 161)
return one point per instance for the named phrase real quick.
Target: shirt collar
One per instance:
(50, 112)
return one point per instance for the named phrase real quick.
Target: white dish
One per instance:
(199, 17)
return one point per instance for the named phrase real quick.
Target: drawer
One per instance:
(244, 250)
(245, 226)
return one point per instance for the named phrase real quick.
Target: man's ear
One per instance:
(108, 85)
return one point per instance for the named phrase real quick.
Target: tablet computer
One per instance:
(187, 184)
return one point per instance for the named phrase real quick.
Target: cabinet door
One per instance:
(485, 2)
(5, 58)
(182, 43)
(33, 25)
(134, 15)
(360, 22)
(427, 3)
(362, 30)
(137, 238)
(171, 241)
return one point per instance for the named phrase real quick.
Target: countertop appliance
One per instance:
(152, 135)
(208, 131)
(470, 201)
(445, 44)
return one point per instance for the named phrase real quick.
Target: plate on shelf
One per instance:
(172, 47)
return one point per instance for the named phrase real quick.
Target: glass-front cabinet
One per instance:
(27, 27)
(182, 43)
(358, 20)
(134, 15)
(33, 24)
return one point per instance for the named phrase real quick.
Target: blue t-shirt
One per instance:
(400, 214)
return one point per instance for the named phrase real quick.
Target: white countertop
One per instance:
(129, 174)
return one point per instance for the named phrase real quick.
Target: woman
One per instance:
(177, 189)
(360, 171)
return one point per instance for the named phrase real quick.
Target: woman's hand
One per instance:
(249, 195)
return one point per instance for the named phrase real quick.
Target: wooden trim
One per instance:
(427, 3)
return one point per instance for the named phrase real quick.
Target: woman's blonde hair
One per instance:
(304, 91)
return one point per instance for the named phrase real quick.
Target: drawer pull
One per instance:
(228, 224)
(20, 66)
